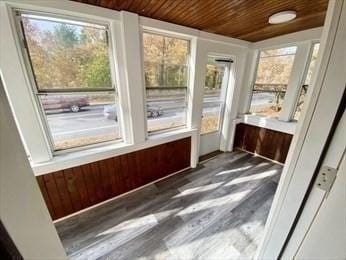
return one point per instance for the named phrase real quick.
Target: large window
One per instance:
(273, 72)
(71, 71)
(166, 67)
(306, 84)
(216, 80)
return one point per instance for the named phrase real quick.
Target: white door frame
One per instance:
(318, 199)
(210, 142)
(323, 98)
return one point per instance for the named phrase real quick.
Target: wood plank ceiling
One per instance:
(242, 19)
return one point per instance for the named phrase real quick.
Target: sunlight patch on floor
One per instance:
(197, 189)
(211, 203)
(253, 177)
(134, 223)
(234, 170)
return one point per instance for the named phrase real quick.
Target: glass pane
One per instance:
(166, 108)
(279, 52)
(300, 102)
(274, 69)
(213, 99)
(166, 76)
(167, 50)
(273, 73)
(266, 103)
(304, 88)
(67, 54)
(81, 119)
(312, 63)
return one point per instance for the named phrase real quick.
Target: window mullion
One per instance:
(133, 78)
(251, 69)
(295, 81)
(197, 77)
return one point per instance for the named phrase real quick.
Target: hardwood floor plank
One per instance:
(216, 211)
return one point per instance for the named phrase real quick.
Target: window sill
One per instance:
(270, 123)
(68, 160)
(211, 132)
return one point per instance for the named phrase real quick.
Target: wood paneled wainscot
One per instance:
(265, 142)
(70, 190)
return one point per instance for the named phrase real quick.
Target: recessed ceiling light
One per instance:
(282, 17)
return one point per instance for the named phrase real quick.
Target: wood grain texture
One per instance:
(271, 144)
(242, 19)
(70, 190)
(216, 211)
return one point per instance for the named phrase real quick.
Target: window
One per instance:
(216, 81)
(273, 72)
(306, 84)
(166, 69)
(72, 79)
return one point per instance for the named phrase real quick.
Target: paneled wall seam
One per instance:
(115, 176)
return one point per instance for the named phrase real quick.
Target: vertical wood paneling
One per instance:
(120, 177)
(81, 187)
(63, 192)
(265, 142)
(105, 179)
(243, 19)
(45, 195)
(54, 196)
(90, 183)
(94, 171)
(73, 189)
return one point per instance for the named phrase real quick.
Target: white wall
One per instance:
(22, 209)
(234, 89)
(323, 99)
(16, 79)
(320, 232)
(126, 29)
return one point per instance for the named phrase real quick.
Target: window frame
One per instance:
(306, 70)
(223, 94)
(36, 92)
(253, 81)
(188, 87)
(302, 59)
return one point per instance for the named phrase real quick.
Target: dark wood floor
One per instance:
(216, 211)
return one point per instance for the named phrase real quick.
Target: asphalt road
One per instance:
(90, 121)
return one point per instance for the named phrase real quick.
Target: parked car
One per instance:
(73, 103)
(111, 111)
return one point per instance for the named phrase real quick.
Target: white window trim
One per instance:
(300, 64)
(16, 81)
(269, 123)
(311, 43)
(255, 69)
(190, 80)
(29, 70)
(72, 159)
(133, 79)
(123, 26)
(302, 60)
(26, 109)
(223, 94)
